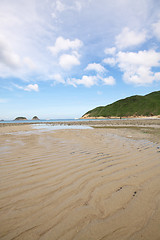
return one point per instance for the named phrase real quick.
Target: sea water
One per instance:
(54, 120)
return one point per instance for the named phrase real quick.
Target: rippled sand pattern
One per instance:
(78, 184)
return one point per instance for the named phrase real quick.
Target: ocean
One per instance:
(52, 120)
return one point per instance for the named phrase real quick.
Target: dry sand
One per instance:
(83, 184)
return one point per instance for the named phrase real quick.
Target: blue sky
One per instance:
(61, 58)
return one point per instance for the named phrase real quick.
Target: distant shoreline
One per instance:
(129, 117)
(142, 122)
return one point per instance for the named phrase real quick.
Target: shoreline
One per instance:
(154, 122)
(123, 117)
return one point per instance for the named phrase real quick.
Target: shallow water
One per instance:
(58, 127)
(45, 128)
(54, 120)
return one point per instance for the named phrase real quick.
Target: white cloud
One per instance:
(29, 63)
(57, 77)
(156, 29)
(87, 81)
(29, 87)
(128, 38)
(67, 61)
(71, 81)
(60, 7)
(157, 76)
(141, 76)
(7, 56)
(29, 28)
(110, 61)
(109, 81)
(32, 87)
(95, 67)
(137, 66)
(62, 44)
(110, 51)
(149, 58)
(78, 6)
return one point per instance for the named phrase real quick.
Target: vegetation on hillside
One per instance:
(20, 118)
(35, 118)
(148, 105)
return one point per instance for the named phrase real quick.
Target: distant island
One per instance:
(24, 118)
(20, 118)
(35, 118)
(134, 106)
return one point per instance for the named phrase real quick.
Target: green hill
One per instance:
(148, 105)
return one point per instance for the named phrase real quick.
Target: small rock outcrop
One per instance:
(20, 118)
(35, 118)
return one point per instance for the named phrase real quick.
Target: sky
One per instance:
(61, 58)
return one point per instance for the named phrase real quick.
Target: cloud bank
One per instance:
(39, 41)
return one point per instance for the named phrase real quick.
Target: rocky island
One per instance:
(35, 118)
(24, 118)
(20, 118)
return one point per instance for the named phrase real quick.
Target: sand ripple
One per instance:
(79, 184)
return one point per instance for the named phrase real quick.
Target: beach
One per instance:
(101, 183)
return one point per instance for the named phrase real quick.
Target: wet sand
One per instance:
(79, 184)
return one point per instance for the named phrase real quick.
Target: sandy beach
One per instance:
(80, 184)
